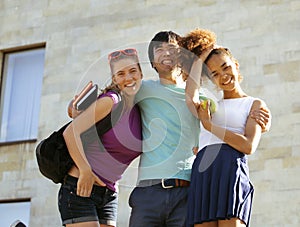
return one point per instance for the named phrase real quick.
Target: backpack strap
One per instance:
(104, 125)
(111, 119)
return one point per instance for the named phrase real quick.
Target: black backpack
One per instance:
(52, 154)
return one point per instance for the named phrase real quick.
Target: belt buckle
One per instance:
(164, 186)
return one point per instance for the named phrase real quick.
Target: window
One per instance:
(20, 95)
(13, 210)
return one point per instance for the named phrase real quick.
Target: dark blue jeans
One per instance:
(101, 206)
(154, 206)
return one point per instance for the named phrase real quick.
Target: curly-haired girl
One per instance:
(221, 192)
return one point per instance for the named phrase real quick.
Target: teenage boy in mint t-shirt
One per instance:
(170, 132)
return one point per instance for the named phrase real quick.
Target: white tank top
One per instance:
(231, 114)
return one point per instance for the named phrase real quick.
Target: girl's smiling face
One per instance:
(224, 71)
(127, 75)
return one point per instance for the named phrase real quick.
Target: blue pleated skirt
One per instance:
(220, 186)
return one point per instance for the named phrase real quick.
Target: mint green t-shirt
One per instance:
(170, 132)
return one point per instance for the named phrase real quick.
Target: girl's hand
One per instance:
(85, 183)
(206, 52)
(204, 114)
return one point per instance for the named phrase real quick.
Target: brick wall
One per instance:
(263, 35)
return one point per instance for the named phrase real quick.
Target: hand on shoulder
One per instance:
(262, 114)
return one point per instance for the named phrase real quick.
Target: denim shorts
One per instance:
(101, 206)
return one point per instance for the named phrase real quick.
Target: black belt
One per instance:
(165, 183)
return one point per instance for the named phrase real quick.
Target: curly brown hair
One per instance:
(192, 45)
(197, 40)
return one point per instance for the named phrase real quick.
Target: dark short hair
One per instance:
(158, 39)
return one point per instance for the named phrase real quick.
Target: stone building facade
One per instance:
(263, 35)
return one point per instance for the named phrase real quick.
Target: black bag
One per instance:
(52, 154)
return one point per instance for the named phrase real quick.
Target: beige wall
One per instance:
(263, 35)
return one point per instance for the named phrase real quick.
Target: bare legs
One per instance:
(88, 224)
(207, 224)
(232, 222)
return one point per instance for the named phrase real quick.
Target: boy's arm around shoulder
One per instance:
(263, 117)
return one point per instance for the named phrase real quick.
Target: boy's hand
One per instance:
(72, 111)
(263, 117)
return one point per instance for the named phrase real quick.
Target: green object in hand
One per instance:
(204, 101)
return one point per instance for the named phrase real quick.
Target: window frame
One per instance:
(17, 202)
(3, 54)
